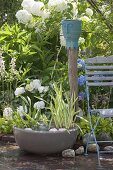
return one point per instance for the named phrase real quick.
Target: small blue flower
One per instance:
(81, 96)
(81, 80)
(81, 63)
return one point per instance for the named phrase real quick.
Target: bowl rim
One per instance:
(46, 132)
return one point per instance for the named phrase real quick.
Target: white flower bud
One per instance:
(21, 110)
(39, 105)
(36, 84)
(29, 87)
(89, 12)
(19, 91)
(85, 18)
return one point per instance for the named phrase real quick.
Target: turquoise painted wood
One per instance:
(71, 31)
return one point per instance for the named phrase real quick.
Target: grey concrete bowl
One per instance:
(45, 142)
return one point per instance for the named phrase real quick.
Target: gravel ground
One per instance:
(12, 158)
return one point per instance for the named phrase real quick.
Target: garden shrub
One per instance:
(37, 43)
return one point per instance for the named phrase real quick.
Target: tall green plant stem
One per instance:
(72, 73)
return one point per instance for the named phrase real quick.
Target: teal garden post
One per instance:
(71, 31)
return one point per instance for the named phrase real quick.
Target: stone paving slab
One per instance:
(12, 158)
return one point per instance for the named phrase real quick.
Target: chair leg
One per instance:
(87, 145)
(97, 148)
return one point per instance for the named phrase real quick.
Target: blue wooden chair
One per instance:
(99, 73)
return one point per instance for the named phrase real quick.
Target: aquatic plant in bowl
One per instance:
(61, 133)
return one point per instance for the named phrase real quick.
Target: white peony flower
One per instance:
(58, 5)
(81, 40)
(23, 16)
(27, 4)
(42, 89)
(89, 12)
(36, 84)
(37, 8)
(21, 110)
(46, 88)
(39, 105)
(29, 87)
(19, 91)
(7, 112)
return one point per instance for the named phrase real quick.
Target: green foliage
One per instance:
(98, 32)
(6, 126)
(15, 43)
(8, 9)
(10, 78)
(85, 126)
(30, 48)
(62, 109)
(104, 126)
(28, 122)
(28, 107)
(32, 120)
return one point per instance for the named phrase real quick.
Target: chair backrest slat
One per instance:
(99, 67)
(100, 78)
(99, 59)
(100, 84)
(99, 71)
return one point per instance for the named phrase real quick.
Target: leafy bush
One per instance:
(104, 126)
